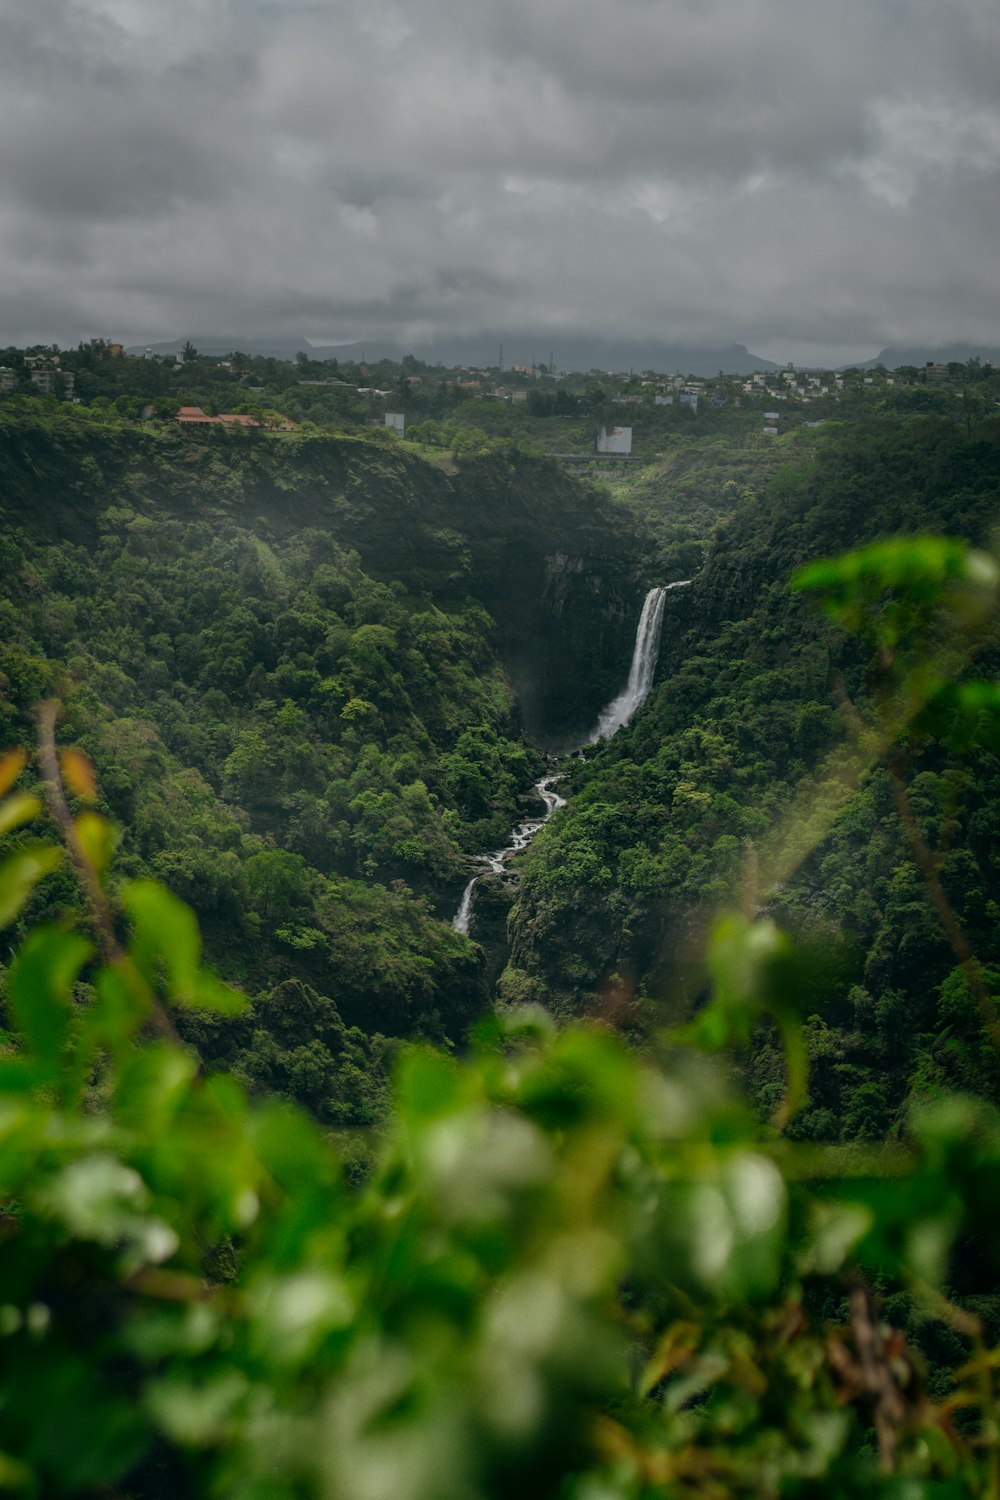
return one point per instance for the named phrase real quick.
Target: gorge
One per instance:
(380, 1193)
(315, 677)
(614, 717)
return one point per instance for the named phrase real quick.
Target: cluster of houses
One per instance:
(790, 384)
(45, 375)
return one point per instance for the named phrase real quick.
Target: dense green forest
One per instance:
(303, 672)
(314, 675)
(571, 1273)
(755, 692)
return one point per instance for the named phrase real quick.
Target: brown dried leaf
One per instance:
(11, 766)
(78, 774)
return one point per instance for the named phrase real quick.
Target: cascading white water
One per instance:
(520, 839)
(462, 919)
(640, 676)
(617, 714)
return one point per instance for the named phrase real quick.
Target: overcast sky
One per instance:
(813, 178)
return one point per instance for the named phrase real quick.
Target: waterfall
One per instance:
(640, 677)
(462, 919)
(617, 713)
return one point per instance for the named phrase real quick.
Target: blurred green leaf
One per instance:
(756, 972)
(166, 944)
(119, 1010)
(209, 993)
(165, 937)
(430, 1084)
(22, 808)
(20, 873)
(153, 1085)
(98, 840)
(889, 590)
(39, 989)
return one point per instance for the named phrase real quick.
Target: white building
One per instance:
(50, 380)
(396, 421)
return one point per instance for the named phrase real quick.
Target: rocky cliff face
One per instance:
(566, 638)
(558, 565)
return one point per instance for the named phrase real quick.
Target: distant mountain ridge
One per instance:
(576, 352)
(932, 354)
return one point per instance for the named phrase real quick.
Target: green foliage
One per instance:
(279, 667)
(755, 972)
(766, 769)
(550, 1266)
(689, 489)
(886, 591)
(569, 1271)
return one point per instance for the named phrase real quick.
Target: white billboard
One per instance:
(614, 440)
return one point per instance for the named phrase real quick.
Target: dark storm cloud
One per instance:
(92, 132)
(753, 169)
(145, 168)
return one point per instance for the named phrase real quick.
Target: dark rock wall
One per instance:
(559, 567)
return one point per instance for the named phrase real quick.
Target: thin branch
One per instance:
(110, 948)
(55, 798)
(877, 1377)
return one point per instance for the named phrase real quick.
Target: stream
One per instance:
(612, 718)
(521, 836)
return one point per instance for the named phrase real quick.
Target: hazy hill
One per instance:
(574, 353)
(937, 354)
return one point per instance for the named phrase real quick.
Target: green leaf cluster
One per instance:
(570, 1271)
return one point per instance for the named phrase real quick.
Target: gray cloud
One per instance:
(709, 170)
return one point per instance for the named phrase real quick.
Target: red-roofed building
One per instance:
(193, 416)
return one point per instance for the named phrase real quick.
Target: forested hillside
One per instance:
(689, 489)
(314, 673)
(302, 671)
(755, 689)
